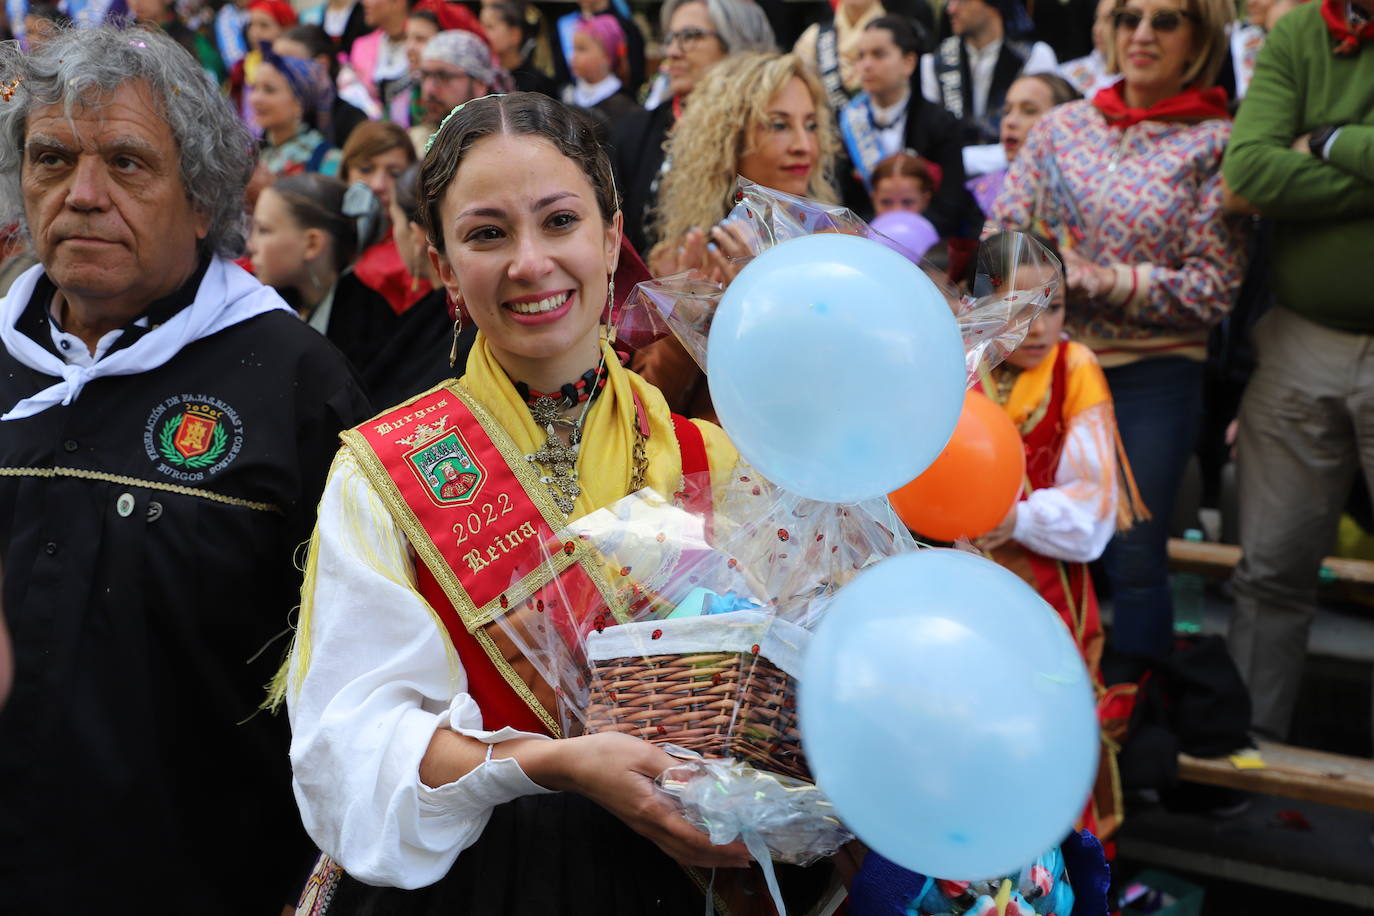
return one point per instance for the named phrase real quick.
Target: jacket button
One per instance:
(125, 505)
(70, 445)
(50, 548)
(154, 510)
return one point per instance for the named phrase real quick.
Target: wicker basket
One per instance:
(738, 701)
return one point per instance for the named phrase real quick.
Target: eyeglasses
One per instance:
(1160, 20)
(690, 37)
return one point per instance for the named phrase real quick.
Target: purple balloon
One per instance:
(908, 234)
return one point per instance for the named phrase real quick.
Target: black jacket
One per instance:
(637, 156)
(343, 118)
(529, 78)
(415, 357)
(933, 134)
(360, 321)
(148, 531)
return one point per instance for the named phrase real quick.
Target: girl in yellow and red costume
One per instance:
(1078, 493)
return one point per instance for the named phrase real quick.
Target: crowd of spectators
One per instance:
(1158, 145)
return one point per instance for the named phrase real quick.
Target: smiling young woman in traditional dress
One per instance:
(421, 749)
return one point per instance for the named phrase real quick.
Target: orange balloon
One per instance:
(971, 487)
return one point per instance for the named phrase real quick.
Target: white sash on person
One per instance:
(228, 294)
(828, 65)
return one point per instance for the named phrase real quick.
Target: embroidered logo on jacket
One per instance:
(192, 436)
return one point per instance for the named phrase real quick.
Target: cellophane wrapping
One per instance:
(689, 621)
(1014, 277)
(690, 626)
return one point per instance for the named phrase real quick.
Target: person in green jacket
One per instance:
(1302, 155)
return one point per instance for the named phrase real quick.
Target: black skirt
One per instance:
(562, 854)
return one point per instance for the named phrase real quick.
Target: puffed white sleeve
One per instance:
(1074, 519)
(372, 677)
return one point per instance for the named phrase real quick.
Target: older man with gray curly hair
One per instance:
(166, 423)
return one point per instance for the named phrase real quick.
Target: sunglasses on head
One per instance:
(1160, 20)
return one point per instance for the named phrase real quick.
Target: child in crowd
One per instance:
(1078, 489)
(904, 181)
(599, 67)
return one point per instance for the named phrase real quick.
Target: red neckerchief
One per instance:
(1336, 16)
(677, 108)
(1188, 105)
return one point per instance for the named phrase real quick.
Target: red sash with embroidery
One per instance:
(476, 514)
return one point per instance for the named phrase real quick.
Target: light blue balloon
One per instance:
(836, 367)
(946, 712)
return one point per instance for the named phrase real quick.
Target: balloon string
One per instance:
(759, 850)
(711, 895)
(1003, 897)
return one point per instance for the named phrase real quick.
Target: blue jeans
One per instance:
(1158, 410)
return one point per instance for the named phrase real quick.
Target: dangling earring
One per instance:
(457, 329)
(612, 319)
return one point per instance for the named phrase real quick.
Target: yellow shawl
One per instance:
(1087, 387)
(605, 464)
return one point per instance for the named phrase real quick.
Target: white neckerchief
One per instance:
(585, 95)
(891, 138)
(227, 295)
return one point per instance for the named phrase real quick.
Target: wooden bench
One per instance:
(1352, 579)
(1291, 772)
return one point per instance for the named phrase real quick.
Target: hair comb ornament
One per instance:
(456, 108)
(7, 90)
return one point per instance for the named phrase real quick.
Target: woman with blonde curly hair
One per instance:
(759, 116)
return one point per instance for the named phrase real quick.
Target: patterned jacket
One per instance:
(1145, 200)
